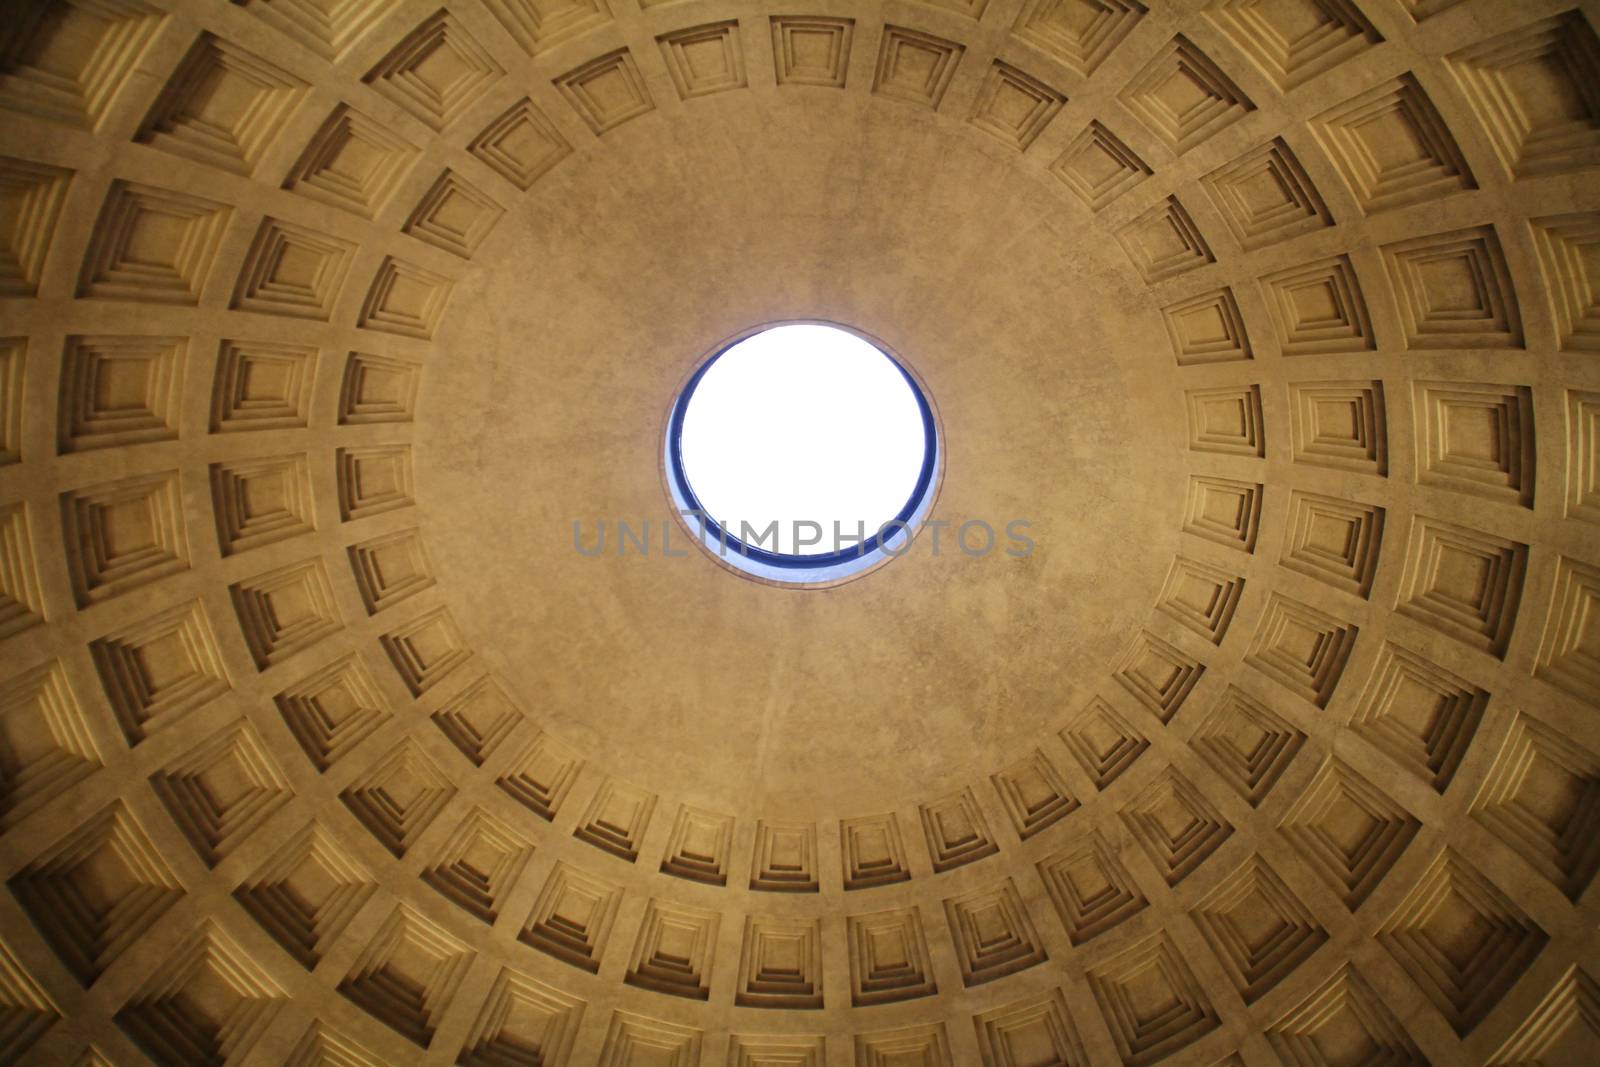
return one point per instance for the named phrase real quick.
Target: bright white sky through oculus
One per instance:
(802, 423)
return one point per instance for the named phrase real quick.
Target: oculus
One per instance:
(802, 453)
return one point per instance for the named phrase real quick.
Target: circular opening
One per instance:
(802, 447)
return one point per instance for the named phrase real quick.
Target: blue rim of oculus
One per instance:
(891, 539)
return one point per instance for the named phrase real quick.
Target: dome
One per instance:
(365, 699)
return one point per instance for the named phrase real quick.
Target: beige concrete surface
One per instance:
(322, 321)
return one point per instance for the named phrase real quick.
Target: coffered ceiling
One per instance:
(324, 321)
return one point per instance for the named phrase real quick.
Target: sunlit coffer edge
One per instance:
(823, 416)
